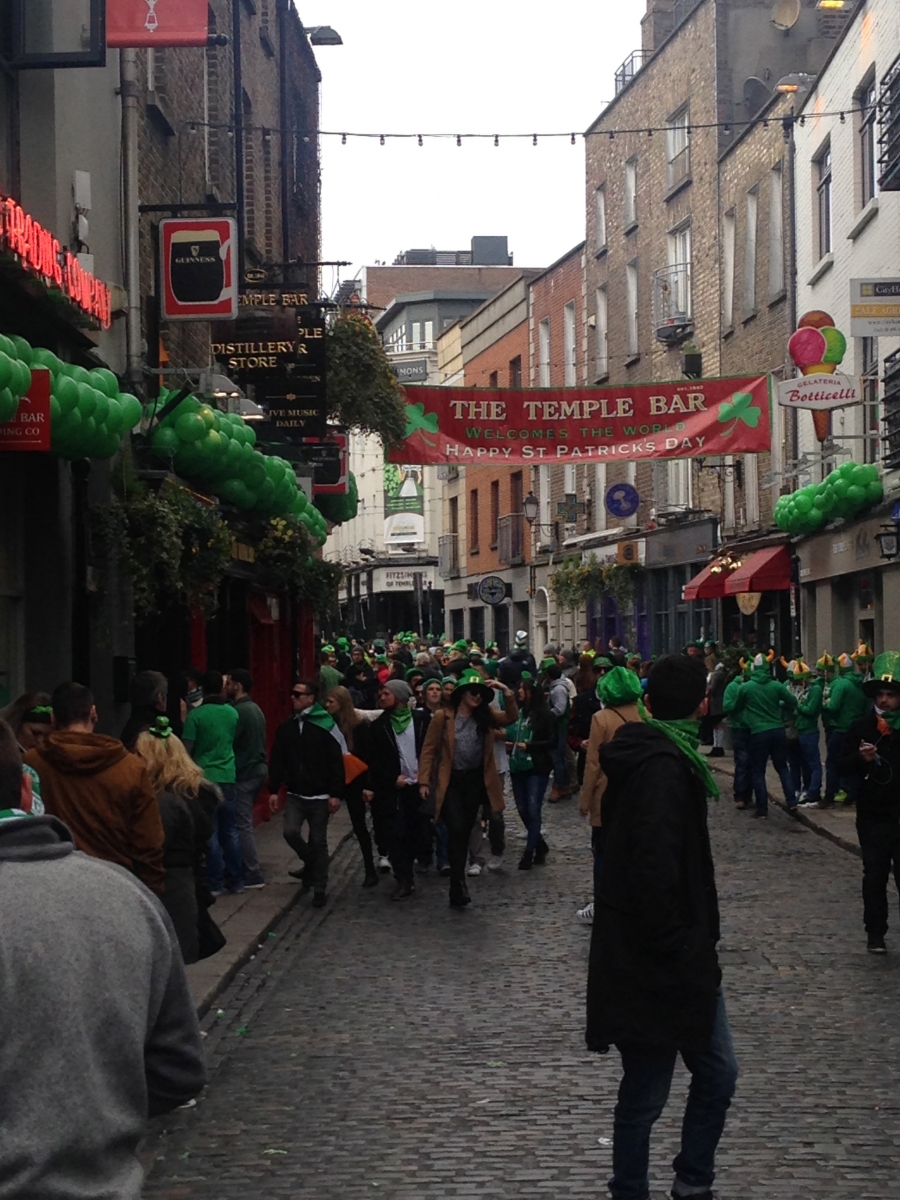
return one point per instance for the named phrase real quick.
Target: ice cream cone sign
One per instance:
(817, 349)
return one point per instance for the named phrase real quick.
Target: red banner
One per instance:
(157, 22)
(684, 419)
(30, 427)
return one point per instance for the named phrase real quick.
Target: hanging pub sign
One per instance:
(29, 429)
(279, 348)
(683, 419)
(330, 462)
(157, 22)
(40, 254)
(199, 280)
(817, 349)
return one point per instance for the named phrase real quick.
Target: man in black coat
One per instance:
(870, 752)
(360, 680)
(308, 757)
(391, 745)
(654, 982)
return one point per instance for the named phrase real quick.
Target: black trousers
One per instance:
(880, 845)
(465, 795)
(382, 822)
(406, 833)
(356, 807)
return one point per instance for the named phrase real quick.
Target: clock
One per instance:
(492, 590)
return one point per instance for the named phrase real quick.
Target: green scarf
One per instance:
(401, 717)
(890, 717)
(317, 715)
(686, 736)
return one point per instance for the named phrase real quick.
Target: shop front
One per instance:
(392, 598)
(752, 589)
(674, 555)
(848, 592)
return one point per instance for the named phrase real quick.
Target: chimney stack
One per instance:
(656, 24)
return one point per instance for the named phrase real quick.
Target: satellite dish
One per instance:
(785, 14)
(756, 94)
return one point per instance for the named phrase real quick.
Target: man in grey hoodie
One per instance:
(102, 1031)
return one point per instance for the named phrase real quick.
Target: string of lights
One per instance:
(786, 120)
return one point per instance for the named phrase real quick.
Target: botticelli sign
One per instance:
(819, 392)
(157, 22)
(39, 253)
(30, 427)
(683, 419)
(199, 282)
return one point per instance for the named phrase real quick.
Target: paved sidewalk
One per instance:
(838, 824)
(246, 919)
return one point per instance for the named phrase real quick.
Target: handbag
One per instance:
(353, 768)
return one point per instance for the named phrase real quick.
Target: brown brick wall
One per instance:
(187, 144)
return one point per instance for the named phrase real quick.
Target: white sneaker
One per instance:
(384, 864)
(474, 869)
(495, 862)
(586, 914)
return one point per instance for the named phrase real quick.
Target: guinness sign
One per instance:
(198, 269)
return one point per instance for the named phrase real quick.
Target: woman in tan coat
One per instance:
(458, 762)
(619, 691)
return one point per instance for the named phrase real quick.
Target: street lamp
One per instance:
(530, 506)
(323, 35)
(797, 81)
(889, 541)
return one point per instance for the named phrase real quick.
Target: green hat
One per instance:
(449, 679)
(414, 671)
(462, 646)
(526, 677)
(886, 674)
(378, 644)
(619, 686)
(327, 650)
(601, 661)
(343, 644)
(472, 679)
(381, 658)
(548, 662)
(492, 666)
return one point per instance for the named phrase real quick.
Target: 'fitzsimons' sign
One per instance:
(684, 419)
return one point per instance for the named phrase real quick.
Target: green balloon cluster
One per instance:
(89, 416)
(843, 493)
(15, 374)
(338, 509)
(218, 450)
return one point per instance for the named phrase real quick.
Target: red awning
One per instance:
(708, 585)
(765, 571)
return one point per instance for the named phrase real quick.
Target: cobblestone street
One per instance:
(409, 1051)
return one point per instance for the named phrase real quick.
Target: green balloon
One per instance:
(67, 391)
(802, 503)
(235, 490)
(7, 346)
(80, 375)
(115, 418)
(101, 406)
(874, 492)
(856, 496)
(256, 470)
(190, 427)
(249, 435)
(105, 381)
(23, 349)
(22, 378)
(7, 370)
(45, 358)
(840, 490)
(164, 440)
(131, 407)
(87, 400)
(845, 470)
(55, 410)
(9, 405)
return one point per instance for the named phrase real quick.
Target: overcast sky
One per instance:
(471, 66)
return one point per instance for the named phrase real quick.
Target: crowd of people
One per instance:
(425, 743)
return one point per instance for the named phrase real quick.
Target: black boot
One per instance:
(372, 878)
(540, 855)
(459, 895)
(526, 860)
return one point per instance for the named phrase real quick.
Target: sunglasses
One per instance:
(300, 695)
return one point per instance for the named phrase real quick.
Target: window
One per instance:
(868, 360)
(865, 102)
(416, 336)
(776, 231)
(494, 379)
(678, 148)
(602, 331)
(728, 234)
(600, 218)
(678, 482)
(429, 335)
(631, 309)
(678, 251)
(569, 344)
(752, 215)
(544, 353)
(822, 177)
(544, 498)
(569, 479)
(454, 514)
(515, 371)
(630, 193)
(495, 511)
(473, 521)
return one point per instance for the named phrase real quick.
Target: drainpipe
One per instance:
(131, 215)
(286, 136)
(238, 102)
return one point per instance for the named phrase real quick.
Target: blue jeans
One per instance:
(560, 767)
(643, 1093)
(225, 843)
(806, 765)
(771, 743)
(740, 741)
(835, 782)
(528, 790)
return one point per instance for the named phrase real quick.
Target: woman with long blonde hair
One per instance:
(339, 703)
(187, 802)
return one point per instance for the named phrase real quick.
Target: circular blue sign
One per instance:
(622, 500)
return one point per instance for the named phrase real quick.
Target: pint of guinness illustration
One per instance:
(197, 265)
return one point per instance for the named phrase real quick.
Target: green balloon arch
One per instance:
(846, 492)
